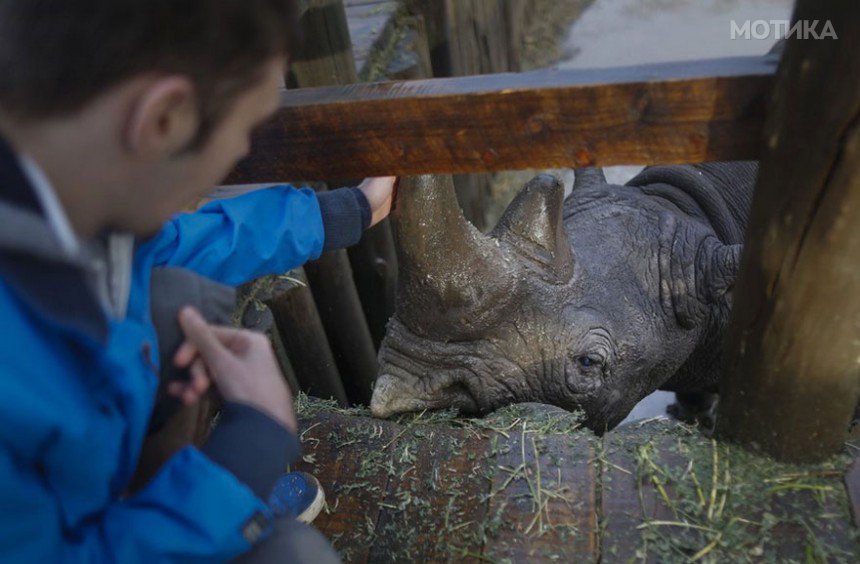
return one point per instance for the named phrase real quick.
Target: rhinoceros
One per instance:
(589, 302)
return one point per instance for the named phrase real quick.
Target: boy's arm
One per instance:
(265, 232)
(194, 509)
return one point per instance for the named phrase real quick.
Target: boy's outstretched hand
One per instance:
(240, 363)
(380, 194)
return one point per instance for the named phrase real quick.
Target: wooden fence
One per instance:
(792, 381)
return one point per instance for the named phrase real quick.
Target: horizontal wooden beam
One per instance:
(666, 113)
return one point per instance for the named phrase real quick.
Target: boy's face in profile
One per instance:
(168, 184)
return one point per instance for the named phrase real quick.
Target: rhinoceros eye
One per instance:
(588, 361)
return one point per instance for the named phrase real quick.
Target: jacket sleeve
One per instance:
(193, 510)
(268, 231)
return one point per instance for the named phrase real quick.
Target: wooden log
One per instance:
(374, 270)
(852, 487)
(631, 495)
(667, 113)
(514, 17)
(792, 380)
(434, 15)
(304, 339)
(434, 488)
(477, 39)
(374, 259)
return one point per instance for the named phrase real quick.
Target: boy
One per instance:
(114, 114)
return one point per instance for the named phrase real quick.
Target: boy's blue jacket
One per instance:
(77, 388)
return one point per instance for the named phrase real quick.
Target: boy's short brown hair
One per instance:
(58, 55)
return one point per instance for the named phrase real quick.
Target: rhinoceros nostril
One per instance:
(386, 395)
(460, 396)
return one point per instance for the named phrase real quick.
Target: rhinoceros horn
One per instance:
(446, 264)
(533, 225)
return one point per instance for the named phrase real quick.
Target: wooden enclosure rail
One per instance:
(665, 113)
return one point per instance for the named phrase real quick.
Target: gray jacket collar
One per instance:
(57, 287)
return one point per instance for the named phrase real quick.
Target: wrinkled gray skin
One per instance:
(592, 302)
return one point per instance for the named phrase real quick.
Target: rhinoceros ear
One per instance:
(697, 278)
(722, 264)
(533, 225)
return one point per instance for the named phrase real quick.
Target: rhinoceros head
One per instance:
(589, 303)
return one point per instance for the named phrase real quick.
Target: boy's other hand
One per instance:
(193, 389)
(380, 195)
(240, 363)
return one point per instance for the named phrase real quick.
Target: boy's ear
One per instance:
(164, 118)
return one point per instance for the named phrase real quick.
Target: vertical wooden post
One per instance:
(283, 307)
(435, 22)
(304, 339)
(340, 309)
(325, 58)
(793, 356)
(254, 314)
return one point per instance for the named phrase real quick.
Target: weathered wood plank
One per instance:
(477, 36)
(635, 474)
(543, 499)
(669, 494)
(667, 113)
(349, 458)
(435, 505)
(435, 488)
(478, 43)
(791, 383)
(852, 487)
(342, 316)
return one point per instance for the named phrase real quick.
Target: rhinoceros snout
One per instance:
(393, 395)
